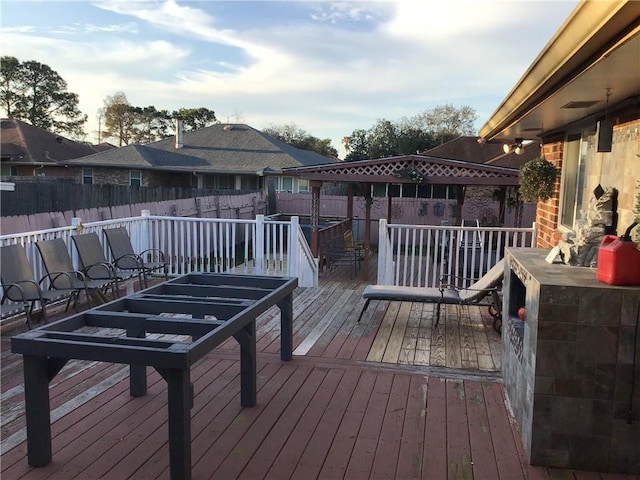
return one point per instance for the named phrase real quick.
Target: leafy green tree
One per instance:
(410, 135)
(299, 138)
(382, 139)
(12, 88)
(356, 146)
(152, 124)
(195, 118)
(35, 93)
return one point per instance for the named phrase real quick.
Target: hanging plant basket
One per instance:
(537, 180)
(410, 174)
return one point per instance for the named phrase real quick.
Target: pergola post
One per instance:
(367, 229)
(315, 216)
(350, 204)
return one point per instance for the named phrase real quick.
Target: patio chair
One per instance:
(21, 305)
(16, 270)
(475, 294)
(93, 262)
(125, 258)
(337, 254)
(63, 276)
(354, 245)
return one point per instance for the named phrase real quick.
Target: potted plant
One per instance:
(537, 180)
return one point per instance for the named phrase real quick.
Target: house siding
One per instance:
(116, 176)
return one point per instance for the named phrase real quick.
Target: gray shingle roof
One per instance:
(25, 144)
(221, 148)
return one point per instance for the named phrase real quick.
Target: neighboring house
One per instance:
(28, 151)
(580, 98)
(222, 156)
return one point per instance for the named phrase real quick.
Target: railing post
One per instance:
(293, 262)
(77, 223)
(383, 246)
(258, 247)
(534, 235)
(145, 230)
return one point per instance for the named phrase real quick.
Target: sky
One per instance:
(328, 68)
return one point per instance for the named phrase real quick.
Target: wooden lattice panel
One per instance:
(426, 168)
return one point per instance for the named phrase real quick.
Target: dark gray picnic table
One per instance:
(234, 300)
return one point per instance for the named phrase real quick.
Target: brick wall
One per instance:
(547, 212)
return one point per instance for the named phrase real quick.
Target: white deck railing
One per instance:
(258, 247)
(420, 255)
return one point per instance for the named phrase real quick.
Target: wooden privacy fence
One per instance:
(230, 206)
(35, 197)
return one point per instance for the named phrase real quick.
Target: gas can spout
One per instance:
(627, 234)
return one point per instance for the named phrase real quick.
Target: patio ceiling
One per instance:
(389, 170)
(595, 53)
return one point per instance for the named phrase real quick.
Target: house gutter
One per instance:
(576, 45)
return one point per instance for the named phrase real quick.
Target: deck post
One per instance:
(36, 399)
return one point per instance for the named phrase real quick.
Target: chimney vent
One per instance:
(179, 143)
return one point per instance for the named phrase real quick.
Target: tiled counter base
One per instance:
(568, 368)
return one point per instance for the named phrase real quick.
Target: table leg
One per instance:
(286, 327)
(36, 394)
(248, 370)
(180, 402)
(137, 373)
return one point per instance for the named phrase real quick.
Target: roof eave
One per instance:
(591, 25)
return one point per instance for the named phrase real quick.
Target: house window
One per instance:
(226, 182)
(135, 178)
(303, 185)
(87, 176)
(249, 182)
(379, 190)
(573, 159)
(209, 181)
(286, 184)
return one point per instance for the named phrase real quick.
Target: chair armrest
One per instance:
(10, 287)
(133, 256)
(108, 267)
(154, 250)
(54, 276)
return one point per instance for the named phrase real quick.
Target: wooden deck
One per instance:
(390, 397)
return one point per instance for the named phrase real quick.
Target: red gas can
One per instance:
(619, 260)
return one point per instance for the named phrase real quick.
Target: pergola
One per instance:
(405, 169)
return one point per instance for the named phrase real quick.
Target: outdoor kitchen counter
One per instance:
(568, 368)
(200, 310)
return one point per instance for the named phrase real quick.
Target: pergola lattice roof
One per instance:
(386, 170)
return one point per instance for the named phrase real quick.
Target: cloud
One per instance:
(329, 67)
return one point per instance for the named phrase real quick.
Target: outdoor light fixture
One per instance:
(516, 147)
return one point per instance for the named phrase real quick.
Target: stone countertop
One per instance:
(532, 260)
